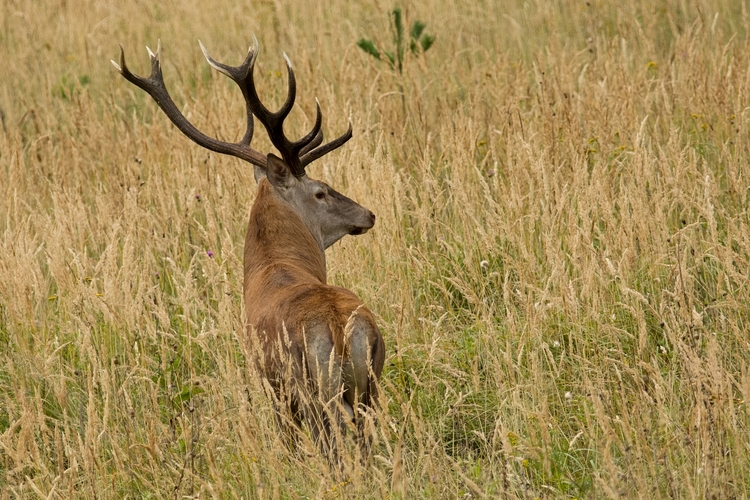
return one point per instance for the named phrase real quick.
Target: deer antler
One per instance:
(296, 154)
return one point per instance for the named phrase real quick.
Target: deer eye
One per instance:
(320, 195)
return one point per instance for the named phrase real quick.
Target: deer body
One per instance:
(317, 345)
(313, 341)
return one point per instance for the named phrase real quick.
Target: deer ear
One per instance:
(278, 172)
(259, 172)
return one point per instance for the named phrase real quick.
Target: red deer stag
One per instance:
(316, 344)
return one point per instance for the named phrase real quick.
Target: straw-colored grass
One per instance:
(559, 268)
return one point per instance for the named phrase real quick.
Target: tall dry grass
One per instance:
(560, 264)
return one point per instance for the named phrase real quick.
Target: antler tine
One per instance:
(313, 144)
(291, 94)
(316, 153)
(314, 136)
(154, 86)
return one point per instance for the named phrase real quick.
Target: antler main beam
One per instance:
(296, 154)
(154, 86)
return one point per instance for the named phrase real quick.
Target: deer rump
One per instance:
(322, 360)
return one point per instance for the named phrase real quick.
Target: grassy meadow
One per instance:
(560, 266)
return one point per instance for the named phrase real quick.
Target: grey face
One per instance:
(328, 214)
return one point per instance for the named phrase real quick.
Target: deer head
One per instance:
(328, 214)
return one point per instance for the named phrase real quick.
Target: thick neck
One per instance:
(277, 235)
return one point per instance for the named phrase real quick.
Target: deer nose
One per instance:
(372, 218)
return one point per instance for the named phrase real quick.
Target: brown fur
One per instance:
(289, 307)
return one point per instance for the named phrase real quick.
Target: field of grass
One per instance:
(560, 266)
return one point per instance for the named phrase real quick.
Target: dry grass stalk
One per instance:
(560, 264)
